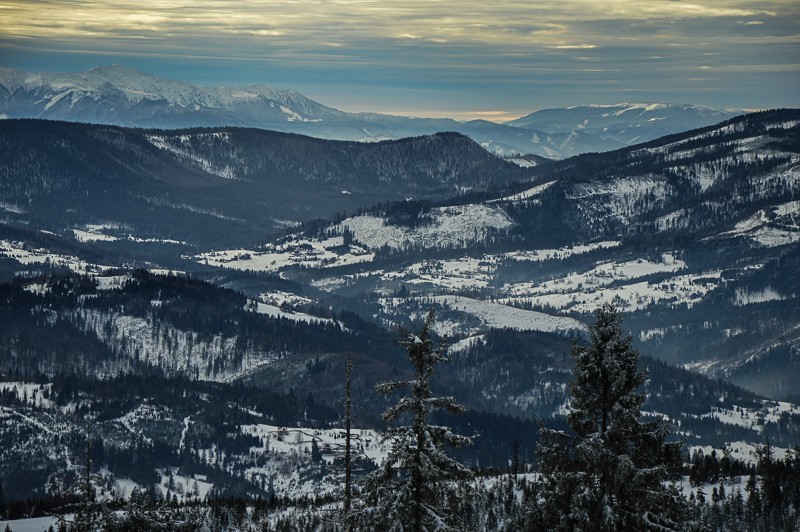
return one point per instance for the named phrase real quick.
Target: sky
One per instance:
(463, 59)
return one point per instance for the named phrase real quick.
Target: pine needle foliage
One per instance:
(410, 492)
(613, 473)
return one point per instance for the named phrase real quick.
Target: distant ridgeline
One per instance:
(224, 185)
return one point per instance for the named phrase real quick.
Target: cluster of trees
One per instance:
(610, 471)
(770, 499)
(607, 470)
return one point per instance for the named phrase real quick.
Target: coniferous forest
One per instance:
(432, 337)
(610, 467)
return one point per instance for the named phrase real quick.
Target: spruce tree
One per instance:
(410, 491)
(612, 472)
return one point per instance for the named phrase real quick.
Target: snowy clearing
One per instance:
(501, 316)
(448, 226)
(307, 253)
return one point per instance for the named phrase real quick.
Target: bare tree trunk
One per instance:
(347, 458)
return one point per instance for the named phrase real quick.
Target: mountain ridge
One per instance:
(204, 177)
(120, 95)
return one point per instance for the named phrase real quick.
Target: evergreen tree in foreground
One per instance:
(612, 473)
(410, 491)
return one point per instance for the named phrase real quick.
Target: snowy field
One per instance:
(35, 524)
(777, 226)
(99, 233)
(276, 312)
(489, 314)
(579, 297)
(448, 226)
(29, 393)
(753, 419)
(453, 275)
(28, 256)
(525, 195)
(307, 253)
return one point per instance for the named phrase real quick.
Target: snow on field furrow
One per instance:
(540, 255)
(455, 274)
(89, 236)
(449, 226)
(94, 233)
(466, 273)
(500, 316)
(279, 297)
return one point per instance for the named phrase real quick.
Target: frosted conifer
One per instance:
(612, 473)
(410, 491)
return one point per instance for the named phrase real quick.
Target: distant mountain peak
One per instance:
(121, 95)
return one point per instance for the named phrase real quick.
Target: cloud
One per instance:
(574, 46)
(510, 50)
(447, 19)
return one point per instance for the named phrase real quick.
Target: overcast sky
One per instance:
(459, 58)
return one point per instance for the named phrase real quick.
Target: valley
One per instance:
(188, 301)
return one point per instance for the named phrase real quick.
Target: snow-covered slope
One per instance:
(696, 224)
(625, 123)
(140, 97)
(124, 96)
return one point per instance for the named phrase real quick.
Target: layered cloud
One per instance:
(416, 49)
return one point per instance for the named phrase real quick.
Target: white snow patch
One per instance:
(683, 289)
(10, 207)
(276, 312)
(744, 296)
(501, 316)
(448, 226)
(776, 226)
(525, 194)
(30, 393)
(292, 251)
(25, 254)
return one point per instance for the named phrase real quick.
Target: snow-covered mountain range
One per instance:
(175, 288)
(624, 123)
(213, 187)
(674, 231)
(697, 224)
(124, 96)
